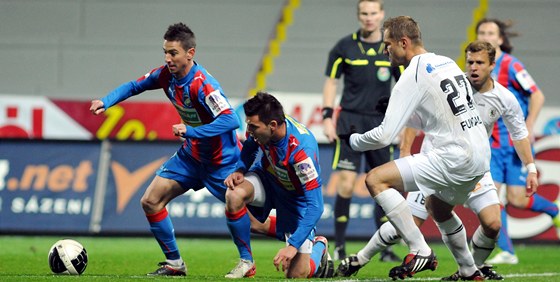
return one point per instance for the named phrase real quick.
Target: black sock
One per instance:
(341, 217)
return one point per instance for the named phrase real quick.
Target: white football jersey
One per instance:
(434, 95)
(501, 102)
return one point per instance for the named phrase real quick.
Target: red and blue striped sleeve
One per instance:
(126, 90)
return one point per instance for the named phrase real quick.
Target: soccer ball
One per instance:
(68, 256)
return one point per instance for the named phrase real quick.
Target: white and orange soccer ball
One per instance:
(68, 256)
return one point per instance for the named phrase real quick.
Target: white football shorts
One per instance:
(483, 195)
(420, 173)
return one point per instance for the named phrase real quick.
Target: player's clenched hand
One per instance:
(179, 129)
(284, 257)
(532, 184)
(329, 130)
(234, 179)
(97, 107)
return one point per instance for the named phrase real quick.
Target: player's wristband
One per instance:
(531, 168)
(327, 112)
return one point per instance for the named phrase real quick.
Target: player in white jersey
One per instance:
(432, 94)
(492, 101)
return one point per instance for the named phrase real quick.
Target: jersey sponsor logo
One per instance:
(383, 74)
(216, 102)
(189, 116)
(525, 80)
(306, 171)
(280, 172)
(430, 68)
(282, 176)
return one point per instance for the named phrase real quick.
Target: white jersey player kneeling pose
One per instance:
(432, 93)
(492, 101)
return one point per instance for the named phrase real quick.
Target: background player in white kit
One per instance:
(492, 101)
(433, 93)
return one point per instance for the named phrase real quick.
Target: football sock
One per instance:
(482, 246)
(162, 228)
(316, 254)
(399, 215)
(385, 236)
(175, 262)
(272, 227)
(455, 238)
(541, 205)
(504, 242)
(379, 216)
(341, 216)
(239, 225)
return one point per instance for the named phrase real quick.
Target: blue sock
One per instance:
(316, 254)
(539, 204)
(239, 225)
(504, 242)
(162, 228)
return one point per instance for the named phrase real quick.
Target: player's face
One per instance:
(370, 16)
(489, 32)
(261, 132)
(177, 59)
(479, 68)
(394, 50)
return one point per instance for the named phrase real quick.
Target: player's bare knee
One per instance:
(374, 183)
(150, 206)
(234, 200)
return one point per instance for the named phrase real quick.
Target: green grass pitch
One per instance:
(24, 258)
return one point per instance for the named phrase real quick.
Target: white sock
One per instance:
(454, 236)
(384, 237)
(399, 215)
(482, 246)
(175, 262)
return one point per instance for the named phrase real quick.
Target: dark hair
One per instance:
(182, 33)
(505, 34)
(479, 45)
(266, 107)
(402, 26)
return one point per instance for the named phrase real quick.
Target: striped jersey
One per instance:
(202, 106)
(292, 165)
(510, 73)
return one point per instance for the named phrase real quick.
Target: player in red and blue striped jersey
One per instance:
(279, 169)
(506, 167)
(210, 150)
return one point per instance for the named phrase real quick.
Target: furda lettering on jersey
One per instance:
(471, 122)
